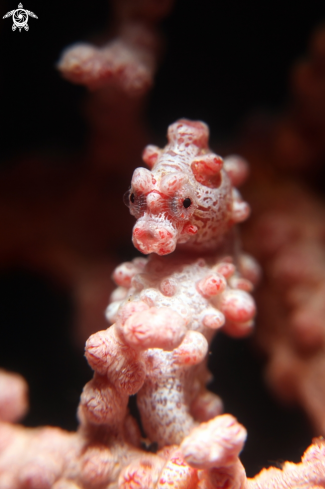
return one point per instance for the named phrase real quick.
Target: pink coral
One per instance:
(126, 64)
(309, 473)
(166, 309)
(13, 397)
(291, 330)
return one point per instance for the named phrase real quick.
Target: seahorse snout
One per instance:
(150, 236)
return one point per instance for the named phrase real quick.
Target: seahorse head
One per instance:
(187, 195)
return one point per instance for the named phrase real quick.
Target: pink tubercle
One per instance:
(212, 285)
(237, 306)
(206, 170)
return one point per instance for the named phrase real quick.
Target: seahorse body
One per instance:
(187, 198)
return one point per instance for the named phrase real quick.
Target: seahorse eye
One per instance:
(132, 198)
(187, 203)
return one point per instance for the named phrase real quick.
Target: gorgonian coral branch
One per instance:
(165, 311)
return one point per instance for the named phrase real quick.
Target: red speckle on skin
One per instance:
(178, 461)
(238, 306)
(243, 315)
(226, 269)
(192, 229)
(210, 286)
(130, 477)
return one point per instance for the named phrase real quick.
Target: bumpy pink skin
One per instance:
(206, 295)
(214, 444)
(187, 197)
(203, 296)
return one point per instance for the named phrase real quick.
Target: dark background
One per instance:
(223, 60)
